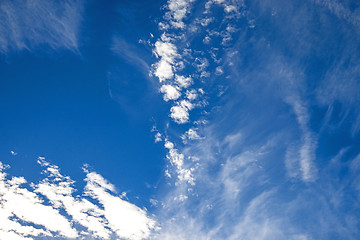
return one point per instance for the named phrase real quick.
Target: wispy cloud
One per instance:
(304, 158)
(256, 167)
(240, 192)
(341, 11)
(28, 25)
(130, 53)
(218, 206)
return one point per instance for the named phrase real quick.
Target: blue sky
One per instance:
(179, 119)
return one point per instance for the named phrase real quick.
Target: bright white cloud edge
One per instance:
(100, 213)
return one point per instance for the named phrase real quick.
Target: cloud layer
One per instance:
(256, 140)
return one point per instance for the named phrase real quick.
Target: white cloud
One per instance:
(126, 219)
(166, 50)
(206, 21)
(158, 137)
(59, 191)
(173, 60)
(191, 134)
(12, 235)
(28, 207)
(177, 12)
(168, 144)
(24, 25)
(204, 74)
(20, 207)
(176, 159)
(191, 95)
(12, 229)
(230, 8)
(180, 112)
(206, 40)
(164, 69)
(181, 198)
(184, 82)
(227, 38)
(186, 104)
(306, 153)
(201, 64)
(219, 70)
(170, 92)
(307, 157)
(167, 37)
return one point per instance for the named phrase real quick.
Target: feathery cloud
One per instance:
(26, 25)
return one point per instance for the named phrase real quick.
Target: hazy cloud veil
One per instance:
(263, 75)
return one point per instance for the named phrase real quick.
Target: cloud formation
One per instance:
(259, 166)
(180, 112)
(176, 14)
(170, 92)
(167, 53)
(177, 160)
(46, 203)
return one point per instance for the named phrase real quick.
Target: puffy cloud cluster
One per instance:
(173, 56)
(164, 70)
(175, 59)
(183, 82)
(167, 53)
(180, 112)
(176, 14)
(170, 92)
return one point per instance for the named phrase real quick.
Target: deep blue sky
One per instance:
(220, 119)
